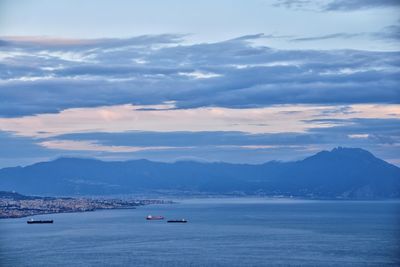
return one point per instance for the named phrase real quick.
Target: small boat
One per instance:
(32, 221)
(177, 221)
(154, 218)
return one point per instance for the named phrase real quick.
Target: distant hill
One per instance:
(15, 196)
(349, 173)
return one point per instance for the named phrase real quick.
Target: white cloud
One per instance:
(200, 75)
(164, 118)
(358, 136)
(86, 145)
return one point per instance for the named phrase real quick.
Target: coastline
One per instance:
(19, 206)
(51, 213)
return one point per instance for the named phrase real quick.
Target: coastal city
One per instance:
(13, 205)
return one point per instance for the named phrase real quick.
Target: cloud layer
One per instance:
(43, 75)
(338, 5)
(162, 132)
(166, 118)
(157, 97)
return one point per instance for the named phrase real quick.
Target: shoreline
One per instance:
(33, 206)
(14, 205)
(77, 211)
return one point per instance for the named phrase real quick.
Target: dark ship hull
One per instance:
(177, 221)
(154, 218)
(39, 221)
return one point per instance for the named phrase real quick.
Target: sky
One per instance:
(234, 81)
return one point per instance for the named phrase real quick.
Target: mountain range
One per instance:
(345, 173)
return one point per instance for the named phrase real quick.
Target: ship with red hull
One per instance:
(154, 218)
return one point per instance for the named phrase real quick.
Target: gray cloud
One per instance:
(391, 32)
(380, 131)
(294, 4)
(350, 5)
(39, 43)
(49, 76)
(340, 35)
(381, 136)
(388, 33)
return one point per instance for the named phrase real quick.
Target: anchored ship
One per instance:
(177, 221)
(32, 221)
(150, 217)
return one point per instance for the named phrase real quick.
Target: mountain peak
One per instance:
(343, 153)
(339, 173)
(341, 150)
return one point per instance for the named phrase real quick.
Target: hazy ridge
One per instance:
(349, 173)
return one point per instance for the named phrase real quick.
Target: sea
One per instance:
(219, 232)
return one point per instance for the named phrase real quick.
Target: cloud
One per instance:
(350, 5)
(38, 42)
(167, 118)
(388, 33)
(158, 98)
(162, 132)
(200, 75)
(382, 131)
(374, 127)
(327, 37)
(46, 76)
(18, 150)
(165, 133)
(14, 146)
(90, 145)
(221, 139)
(391, 32)
(293, 4)
(358, 135)
(336, 5)
(380, 136)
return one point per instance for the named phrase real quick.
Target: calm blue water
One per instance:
(220, 232)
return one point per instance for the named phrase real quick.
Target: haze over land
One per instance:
(342, 173)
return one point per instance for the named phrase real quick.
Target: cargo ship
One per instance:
(177, 221)
(154, 218)
(32, 221)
